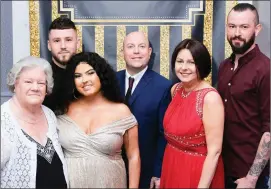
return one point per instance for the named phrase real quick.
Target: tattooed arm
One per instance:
(260, 161)
(263, 152)
(262, 156)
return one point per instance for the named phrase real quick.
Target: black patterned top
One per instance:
(49, 167)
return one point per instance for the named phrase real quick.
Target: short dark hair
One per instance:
(62, 23)
(199, 53)
(109, 84)
(240, 7)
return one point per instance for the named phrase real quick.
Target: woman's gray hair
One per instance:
(31, 62)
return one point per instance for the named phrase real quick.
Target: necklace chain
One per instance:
(32, 122)
(185, 95)
(29, 122)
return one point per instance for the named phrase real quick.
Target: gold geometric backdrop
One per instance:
(203, 20)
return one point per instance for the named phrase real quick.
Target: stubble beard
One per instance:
(61, 62)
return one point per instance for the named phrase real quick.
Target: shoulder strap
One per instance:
(200, 100)
(177, 88)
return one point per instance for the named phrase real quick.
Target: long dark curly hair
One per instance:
(109, 84)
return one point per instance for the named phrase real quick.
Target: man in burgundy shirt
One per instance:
(244, 85)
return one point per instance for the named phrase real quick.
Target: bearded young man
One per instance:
(63, 43)
(244, 85)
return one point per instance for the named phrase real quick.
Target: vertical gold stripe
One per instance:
(208, 31)
(80, 37)
(164, 51)
(229, 6)
(144, 29)
(55, 13)
(186, 32)
(121, 33)
(99, 40)
(34, 28)
(55, 10)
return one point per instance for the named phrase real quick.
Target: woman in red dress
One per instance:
(193, 123)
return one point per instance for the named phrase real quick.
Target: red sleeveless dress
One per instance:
(186, 149)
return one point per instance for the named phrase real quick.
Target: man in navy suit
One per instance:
(147, 94)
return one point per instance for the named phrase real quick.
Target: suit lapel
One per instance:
(122, 83)
(144, 81)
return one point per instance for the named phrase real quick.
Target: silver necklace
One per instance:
(185, 95)
(188, 93)
(29, 121)
(32, 122)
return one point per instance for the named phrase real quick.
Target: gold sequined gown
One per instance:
(94, 160)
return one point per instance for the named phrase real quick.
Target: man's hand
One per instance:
(259, 163)
(246, 182)
(155, 182)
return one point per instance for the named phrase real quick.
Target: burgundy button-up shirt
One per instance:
(246, 95)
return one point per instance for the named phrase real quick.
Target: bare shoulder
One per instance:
(121, 110)
(212, 98)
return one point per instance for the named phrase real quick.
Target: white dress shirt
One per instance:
(137, 78)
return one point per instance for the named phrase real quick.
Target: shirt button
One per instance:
(231, 68)
(229, 84)
(225, 100)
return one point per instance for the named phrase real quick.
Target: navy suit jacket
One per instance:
(148, 103)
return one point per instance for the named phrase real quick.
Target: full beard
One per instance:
(243, 48)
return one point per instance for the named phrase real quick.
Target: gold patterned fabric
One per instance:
(94, 160)
(196, 20)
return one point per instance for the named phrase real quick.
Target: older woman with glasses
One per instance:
(31, 156)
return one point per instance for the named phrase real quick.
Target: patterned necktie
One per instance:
(129, 91)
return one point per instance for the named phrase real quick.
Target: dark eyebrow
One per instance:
(178, 57)
(182, 59)
(90, 70)
(86, 71)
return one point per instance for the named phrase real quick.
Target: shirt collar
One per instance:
(247, 57)
(56, 68)
(137, 76)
